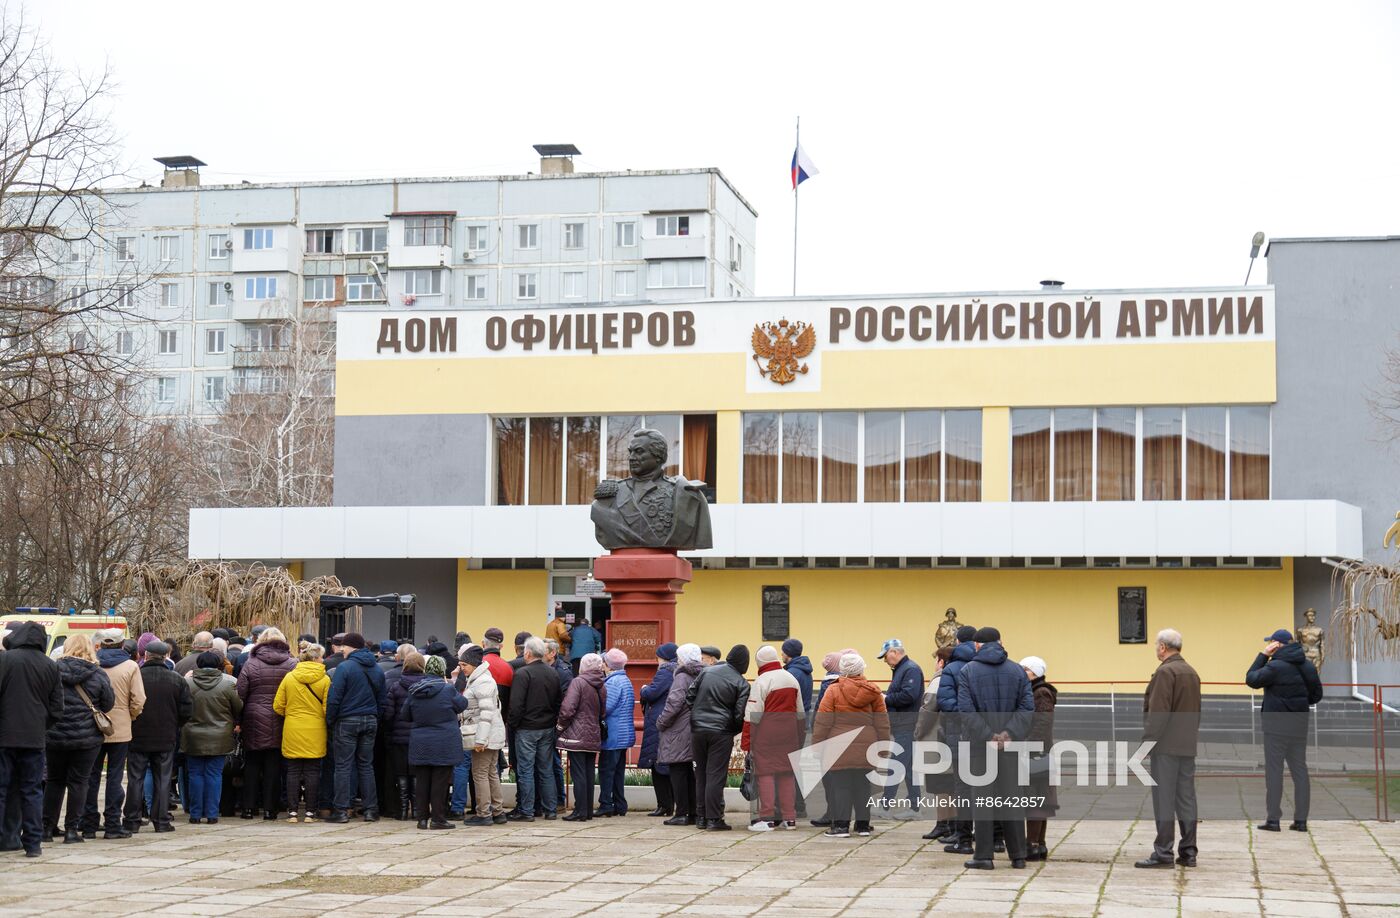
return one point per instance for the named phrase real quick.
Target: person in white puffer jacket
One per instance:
(483, 725)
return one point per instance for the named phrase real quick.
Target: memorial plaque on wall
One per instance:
(776, 604)
(1132, 615)
(636, 639)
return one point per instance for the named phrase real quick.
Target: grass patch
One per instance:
(1391, 787)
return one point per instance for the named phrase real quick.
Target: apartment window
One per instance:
(1249, 452)
(214, 341)
(572, 285)
(625, 283)
(259, 381)
(422, 282)
(125, 295)
(739, 256)
(528, 235)
(435, 230)
(672, 225)
(264, 337)
(170, 294)
(369, 239)
(168, 247)
(254, 239)
(319, 289)
(573, 235)
(169, 341)
(476, 238)
(683, 272)
(525, 286)
(125, 342)
(218, 293)
(165, 389)
(322, 241)
(625, 234)
(126, 248)
(259, 288)
(1205, 453)
(360, 288)
(218, 246)
(476, 286)
(213, 389)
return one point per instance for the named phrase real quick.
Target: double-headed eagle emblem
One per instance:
(782, 345)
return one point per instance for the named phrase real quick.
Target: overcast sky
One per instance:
(961, 146)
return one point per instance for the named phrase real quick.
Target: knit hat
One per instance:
(852, 664)
(354, 639)
(434, 666)
(766, 654)
(144, 641)
(667, 652)
(209, 660)
(1036, 665)
(616, 659)
(738, 658)
(688, 653)
(472, 655)
(966, 633)
(495, 634)
(832, 661)
(792, 647)
(388, 647)
(987, 635)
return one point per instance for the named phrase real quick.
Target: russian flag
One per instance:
(802, 167)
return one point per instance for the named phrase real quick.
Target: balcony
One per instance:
(658, 247)
(242, 310)
(250, 357)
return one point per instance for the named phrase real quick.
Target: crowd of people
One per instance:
(257, 728)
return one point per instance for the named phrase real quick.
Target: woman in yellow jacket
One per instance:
(301, 700)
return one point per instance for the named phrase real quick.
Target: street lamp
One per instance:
(1256, 244)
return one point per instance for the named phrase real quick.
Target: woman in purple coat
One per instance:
(580, 733)
(261, 726)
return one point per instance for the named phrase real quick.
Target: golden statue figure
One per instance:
(947, 632)
(1311, 637)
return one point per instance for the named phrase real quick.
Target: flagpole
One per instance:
(795, 185)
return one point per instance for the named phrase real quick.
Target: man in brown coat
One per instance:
(1172, 718)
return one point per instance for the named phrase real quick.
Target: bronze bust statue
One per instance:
(947, 631)
(1312, 638)
(649, 509)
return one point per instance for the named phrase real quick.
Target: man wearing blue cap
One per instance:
(902, 700)
(1291, 687)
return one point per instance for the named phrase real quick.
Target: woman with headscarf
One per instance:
(831, 671)
(207, 737)
(1042, 731)
(435, 741)
(622, 733)
(400, 730)
(258, 680)
(773, 722)
(301, 700)
(72, 743)
(580, 730)
(653, 700)
(851, 704)
(673, 727)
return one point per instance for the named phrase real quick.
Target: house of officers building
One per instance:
(1080, 468)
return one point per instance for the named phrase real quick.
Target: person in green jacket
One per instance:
(207, 737)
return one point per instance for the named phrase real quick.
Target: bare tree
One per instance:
(272, 445)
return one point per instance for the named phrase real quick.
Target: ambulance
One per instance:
(60, 625)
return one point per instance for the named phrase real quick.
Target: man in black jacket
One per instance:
(534, 710)
(718, 698)
(155, 735)
(31, 701)
(1291, 687)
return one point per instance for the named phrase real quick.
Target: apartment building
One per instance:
(223, 268)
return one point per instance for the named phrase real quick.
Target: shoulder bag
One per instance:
(104, 723)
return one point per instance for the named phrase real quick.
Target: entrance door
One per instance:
(564, 595)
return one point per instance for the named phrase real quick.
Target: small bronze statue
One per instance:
(1312, 638)
(947, 633)
(649, 509)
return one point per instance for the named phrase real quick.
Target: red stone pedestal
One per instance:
(644, 584)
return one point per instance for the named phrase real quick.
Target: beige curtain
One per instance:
(582, 469)
(1074, 454)
(1249, 453)
(1205, 453)
(761, 458)
(840, 440)
(962, 431)
(1030, 454)
(882, 477)
(799, 457)
(546, 461)
(620, 430)
(510, 461)
(1161, 454)
(921, 452)
(696, 444)
(1117, 453)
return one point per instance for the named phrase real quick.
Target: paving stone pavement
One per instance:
(637, 867)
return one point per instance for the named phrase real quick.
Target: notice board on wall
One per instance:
(776, 613)
(1132, 615)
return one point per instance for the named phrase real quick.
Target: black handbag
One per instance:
(747, 786)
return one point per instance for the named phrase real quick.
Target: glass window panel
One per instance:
(1161, 454)
(1030, 454)
(799, 457)
(510, 461)
(1249, 452)
(921, 451)
(840, 456)
(1074, 453)
(546, 461)
(669, 425)
(760, 458)
(1205, 453)
(1117, 437)
(581, 470)
(962, 431)
(882, 478)
(620, 430)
